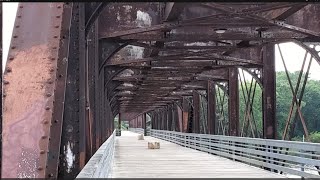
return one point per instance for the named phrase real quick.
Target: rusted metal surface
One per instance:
(132, 59)
(144, 123)
(93, 11)
(93, 60)
(59, 99)
(233, 88)
(211, 108)
(269, 90)
(69, 165)
(1, 89)
(196, 112)
(30, 85)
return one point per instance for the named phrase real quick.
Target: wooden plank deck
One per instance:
(133, 159)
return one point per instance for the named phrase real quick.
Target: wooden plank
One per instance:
(134, 159)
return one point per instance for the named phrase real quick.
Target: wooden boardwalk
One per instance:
(133, 159)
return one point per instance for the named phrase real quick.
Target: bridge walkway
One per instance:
(133, 159)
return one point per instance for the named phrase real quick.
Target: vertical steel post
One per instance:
(233, 102)
(144, 123)
(269, 89)
(119, 124)
(196, 112)
(166, 118)
(170, 112)
(158, 120)
(211, 99)
(185, 115)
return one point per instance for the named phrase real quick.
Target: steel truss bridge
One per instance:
(175, 71)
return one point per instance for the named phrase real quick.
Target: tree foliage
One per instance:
(310, 106)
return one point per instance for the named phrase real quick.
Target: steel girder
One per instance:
(69, 74)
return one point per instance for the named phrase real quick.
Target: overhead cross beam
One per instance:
(176, 24)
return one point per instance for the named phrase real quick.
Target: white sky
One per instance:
(293, 54)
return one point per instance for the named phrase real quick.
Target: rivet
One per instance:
(17, 26)
(20, 6)
(11, 58)
(50, 82)
(9, 69)
(53, 59)
(47, 108)
(55, 36)
(42, 151)
(45, 122)
(51, 69)
(54, 47)
(4, 95)
(13, 47)
(5, 82)
(19, 16)
(56, 121)
(43, 137)
(40, 168)
(58, 6)
(57, 16)
(56, 26)
(15, 36)
(48, 94)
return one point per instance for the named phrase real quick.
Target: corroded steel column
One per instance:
(144, 123)
(170, 117)
(185, 115)
(269, 96)
(233, 102)
(34, 89)
(211, 99)
(196, 112)
(119, 124)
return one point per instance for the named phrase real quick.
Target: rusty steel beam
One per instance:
(193, 37)
(173, 48)
(58, 109)
(269, 93)
(289, 12)
(278, 23)
(196, 112)
(119, 124)
(209, 57)
(211, 108)
(233, 89)
(172, 25)
(144, 123)
(83, 117)
(92, 14)
(93, 60)
(30, 83)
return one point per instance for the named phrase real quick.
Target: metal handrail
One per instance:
(100, 164)
(274, 155)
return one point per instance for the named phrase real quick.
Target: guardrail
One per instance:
(137, 130)
(290, 157)
(100, 164)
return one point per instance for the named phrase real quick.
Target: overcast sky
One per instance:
(292, 53)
